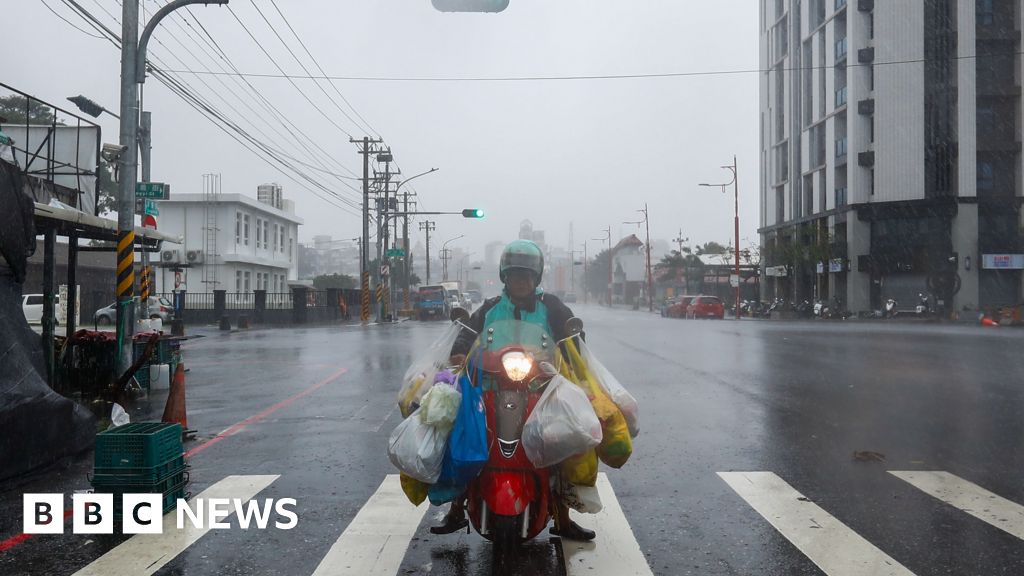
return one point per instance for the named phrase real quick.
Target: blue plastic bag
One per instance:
(467, 450)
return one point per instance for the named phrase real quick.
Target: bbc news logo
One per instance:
(143, 513)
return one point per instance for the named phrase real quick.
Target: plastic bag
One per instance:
(581, 469)
(118, 417)
(440, 406)
(616, 446)
(467, 450)
(420, 374)
(611, 386)
(417, 449)
(415, 490)
(584, 499)
(562, 424)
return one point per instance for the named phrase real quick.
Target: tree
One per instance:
(712, 248)
(597, 273)
(414, 279)
(15, 108)
(325, 281)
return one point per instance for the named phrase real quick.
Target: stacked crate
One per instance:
(143, 457)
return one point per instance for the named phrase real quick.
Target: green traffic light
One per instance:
(473, 213)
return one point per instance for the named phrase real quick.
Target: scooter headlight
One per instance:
(517, 365)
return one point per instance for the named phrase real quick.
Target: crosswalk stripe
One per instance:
(615, 550)
(375, 542)
(969, 497)
(144, 554)
(830, 544)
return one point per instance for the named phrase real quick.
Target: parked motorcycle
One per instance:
(890, 308)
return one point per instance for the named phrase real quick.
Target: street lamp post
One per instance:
(405, 235)
(611, 261)
(736, 224)
(133, 74)
(445, 257)
(650, 283)
(586, 299)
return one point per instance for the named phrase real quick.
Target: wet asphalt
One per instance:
(794, 398)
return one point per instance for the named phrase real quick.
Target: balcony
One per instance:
(841, 197)
(841, 97)
(842, 47)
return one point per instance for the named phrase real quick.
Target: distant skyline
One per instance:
(589, 151)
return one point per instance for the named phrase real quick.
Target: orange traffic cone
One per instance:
(174, 411)
(986, 321)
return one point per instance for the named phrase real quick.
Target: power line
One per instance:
(69, 23)
(599, 76)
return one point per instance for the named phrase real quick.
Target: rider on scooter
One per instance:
(521, 270)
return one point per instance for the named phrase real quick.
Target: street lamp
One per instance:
(405, 236)
(608, 238)
(650, 283)
(445, 257)
(736, 187)
(90, 107)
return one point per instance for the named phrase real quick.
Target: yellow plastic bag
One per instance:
(581, 470)
(616, 445)
(415, 490)
(578, 373)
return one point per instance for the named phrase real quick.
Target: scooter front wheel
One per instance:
(505, 538)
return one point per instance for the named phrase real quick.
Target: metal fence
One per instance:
(300, 306)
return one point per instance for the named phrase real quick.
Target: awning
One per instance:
(68, 221)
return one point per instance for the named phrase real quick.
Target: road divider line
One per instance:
(615, 550)
(236, 428)
(830, 544)
(375, 542)
(970, 498)
(145, 554)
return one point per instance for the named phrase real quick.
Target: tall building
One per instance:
(891, 151)
(271, 194)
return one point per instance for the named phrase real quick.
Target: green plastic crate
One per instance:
(138, 445)
(171, 489)
(138, 476)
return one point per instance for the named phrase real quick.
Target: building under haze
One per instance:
(891, 151)
(232, 242)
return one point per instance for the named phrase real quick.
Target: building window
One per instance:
(266, 234)
(238, 280)
(246, 284)
(276, 235)
(986, 177)
(259, 233)
(245, 229)
(238, 228)
(985, 12)
(871, 182)
(871, 26)
(291, 249)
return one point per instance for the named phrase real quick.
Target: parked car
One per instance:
(32, 306)
(475, 297)
(706, 307)
(158, 308)
(680, 307)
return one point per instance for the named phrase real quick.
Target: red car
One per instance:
(706, 307)
(679, 307)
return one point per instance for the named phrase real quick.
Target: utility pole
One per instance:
(146, 148)
(611, 262)
(679, 240)
(133, 73)
(428, 227)
(650, 283)
(405, 246)
(364, 252)
(586, 291)
(734, 168)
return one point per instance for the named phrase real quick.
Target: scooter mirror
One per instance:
(573, 326)
(459, 315)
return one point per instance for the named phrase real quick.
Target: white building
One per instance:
(232, 242)
(890, 151)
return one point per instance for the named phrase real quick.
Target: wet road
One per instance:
(766, 448)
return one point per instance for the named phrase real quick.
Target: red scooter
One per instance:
(511, 500)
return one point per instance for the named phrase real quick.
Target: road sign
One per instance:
(149, 221)
(150, 207)
(153, 190)
(396, 253)
(385, 270)
(734, 280)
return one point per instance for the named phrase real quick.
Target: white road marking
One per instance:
(386, 418)
(984, 505)
(144, 554)
(376, 540)
(834, 547)
(615, 550)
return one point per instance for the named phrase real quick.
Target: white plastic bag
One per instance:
(420, 375)
(584, 499)
(118, 417)
(440, 405)
(562, 424)
(616, 391)
(417, 449)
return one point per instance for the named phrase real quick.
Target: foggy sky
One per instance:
(590, 152)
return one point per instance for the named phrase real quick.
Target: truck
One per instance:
(433, 303)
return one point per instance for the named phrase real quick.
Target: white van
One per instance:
(32, 306)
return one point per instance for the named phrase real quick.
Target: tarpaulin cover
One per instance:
(37, 425)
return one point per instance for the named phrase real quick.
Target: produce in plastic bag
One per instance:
(584, 499)
(415, 490)
(467, 450)
(616, 445)
(581, 469)
(417, 449)
(440, 406)
(420, 374)
(562, 424)
(612, 387)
